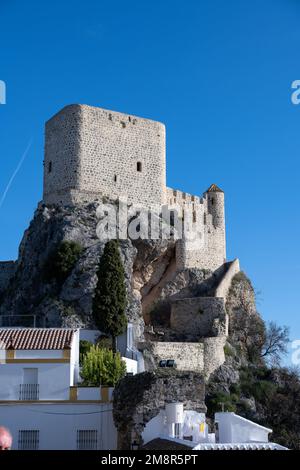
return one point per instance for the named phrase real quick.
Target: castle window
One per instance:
(139, 166)
(49, 167)
(212, 201)
(204, 218)
(115, 178)
(194, 216)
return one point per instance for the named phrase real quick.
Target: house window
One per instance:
(139, 166)
(29, 389)
(49, 167)
(87, 439)
(29, 439)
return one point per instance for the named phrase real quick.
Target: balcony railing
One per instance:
(29, 392)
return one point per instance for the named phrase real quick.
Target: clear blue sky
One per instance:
(217, 73)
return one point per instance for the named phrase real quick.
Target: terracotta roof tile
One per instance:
(36, 338)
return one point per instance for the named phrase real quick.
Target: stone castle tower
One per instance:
(92, 152)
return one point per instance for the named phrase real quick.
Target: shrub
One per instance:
(104, 342)
(61, 262)
(216, 400)
(102, 367)
(84, 348)
(228, 350)
(255, 382)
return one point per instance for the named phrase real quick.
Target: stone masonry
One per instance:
(204, 356)
(199, 317)
(92, 153)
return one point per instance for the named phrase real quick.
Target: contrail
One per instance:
(15, 173)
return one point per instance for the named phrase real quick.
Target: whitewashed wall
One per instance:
(53, 379)
(58, 423)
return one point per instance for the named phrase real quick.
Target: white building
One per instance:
(41, 400)
(175, 427)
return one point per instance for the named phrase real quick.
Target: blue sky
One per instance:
(217, 73)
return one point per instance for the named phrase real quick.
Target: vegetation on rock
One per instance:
(251, 382)
(61, 262)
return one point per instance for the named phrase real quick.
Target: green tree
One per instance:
(109, 303)
(61, 262)
(102, 367)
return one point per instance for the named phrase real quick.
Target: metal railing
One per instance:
(87, 439)
(29, 392)
(29, 439)
(26, 321)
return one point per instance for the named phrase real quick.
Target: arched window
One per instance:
(139, 166)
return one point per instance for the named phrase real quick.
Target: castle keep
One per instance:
(92, 152)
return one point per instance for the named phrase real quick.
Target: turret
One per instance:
(216, 206)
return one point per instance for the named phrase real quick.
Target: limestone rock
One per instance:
(138, 399)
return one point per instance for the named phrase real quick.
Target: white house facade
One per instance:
(41, 400)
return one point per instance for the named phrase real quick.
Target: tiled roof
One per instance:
(241, 446)
(36, 338)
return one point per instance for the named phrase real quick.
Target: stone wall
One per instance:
(199, 317)
(7, 270)
(188, 356)
(91, 152)
(208, 248)
(140, 398)
(214, 355)
(204, 356)
(224, 286)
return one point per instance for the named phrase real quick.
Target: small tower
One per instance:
(216, 205)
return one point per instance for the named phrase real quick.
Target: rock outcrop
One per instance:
(140, 398)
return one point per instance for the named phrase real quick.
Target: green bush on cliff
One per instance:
(61, 262)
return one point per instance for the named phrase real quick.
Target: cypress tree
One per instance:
(109, 303)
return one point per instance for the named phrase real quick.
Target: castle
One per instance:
(92, 152)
